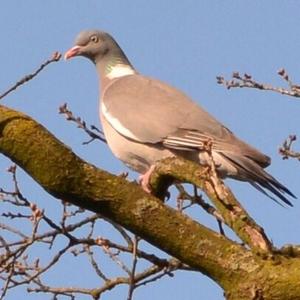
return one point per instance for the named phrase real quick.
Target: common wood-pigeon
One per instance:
(145, 120)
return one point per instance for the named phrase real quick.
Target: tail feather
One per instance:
(259, 188)
(250, 171)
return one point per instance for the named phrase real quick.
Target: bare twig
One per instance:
(151, 274)
(97, 134)
(172, 266)
(55, 57)
(286, 149)
(196, 199)
(246, 81)
(133, 268)
(114, 256)
(95, 264)
(122, 232)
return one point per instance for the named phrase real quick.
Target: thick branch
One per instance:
(65, 176)
(234, 215)
(61, 173)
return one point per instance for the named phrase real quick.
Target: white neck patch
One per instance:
(120, 70)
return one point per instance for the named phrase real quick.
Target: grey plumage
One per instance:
(145, 120)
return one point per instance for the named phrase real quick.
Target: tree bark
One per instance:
(241, 272)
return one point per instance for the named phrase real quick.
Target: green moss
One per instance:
(243, 274)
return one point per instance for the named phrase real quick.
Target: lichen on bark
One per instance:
(242, 271)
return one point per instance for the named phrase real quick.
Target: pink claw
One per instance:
(144, 180)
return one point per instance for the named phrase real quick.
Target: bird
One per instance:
(145, 120)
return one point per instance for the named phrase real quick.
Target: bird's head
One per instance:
(93, 44)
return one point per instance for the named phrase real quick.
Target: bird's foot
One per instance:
(144, 180)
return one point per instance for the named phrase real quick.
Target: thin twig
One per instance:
(133, 268)
(122, 232)
(95, 264)
(63, 109)
(246, 81)
(197, 199)
(54, 58)
(286, 149)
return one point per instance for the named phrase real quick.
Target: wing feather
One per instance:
(149, 111)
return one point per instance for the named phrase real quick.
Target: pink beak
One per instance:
(74, 51)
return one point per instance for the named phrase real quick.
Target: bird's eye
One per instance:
(94, 38)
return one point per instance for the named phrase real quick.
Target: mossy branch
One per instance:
(242, 273)
(234, 215)
(65, 176)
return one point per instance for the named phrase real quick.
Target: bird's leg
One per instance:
(145, 178)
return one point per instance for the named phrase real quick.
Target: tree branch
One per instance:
(56, 56)
(241, 272)
(286, 150)
(65, 176)
(246, 81)
(93, 131)
(232, 212)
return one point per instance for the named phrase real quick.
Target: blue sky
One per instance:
(185, 43)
